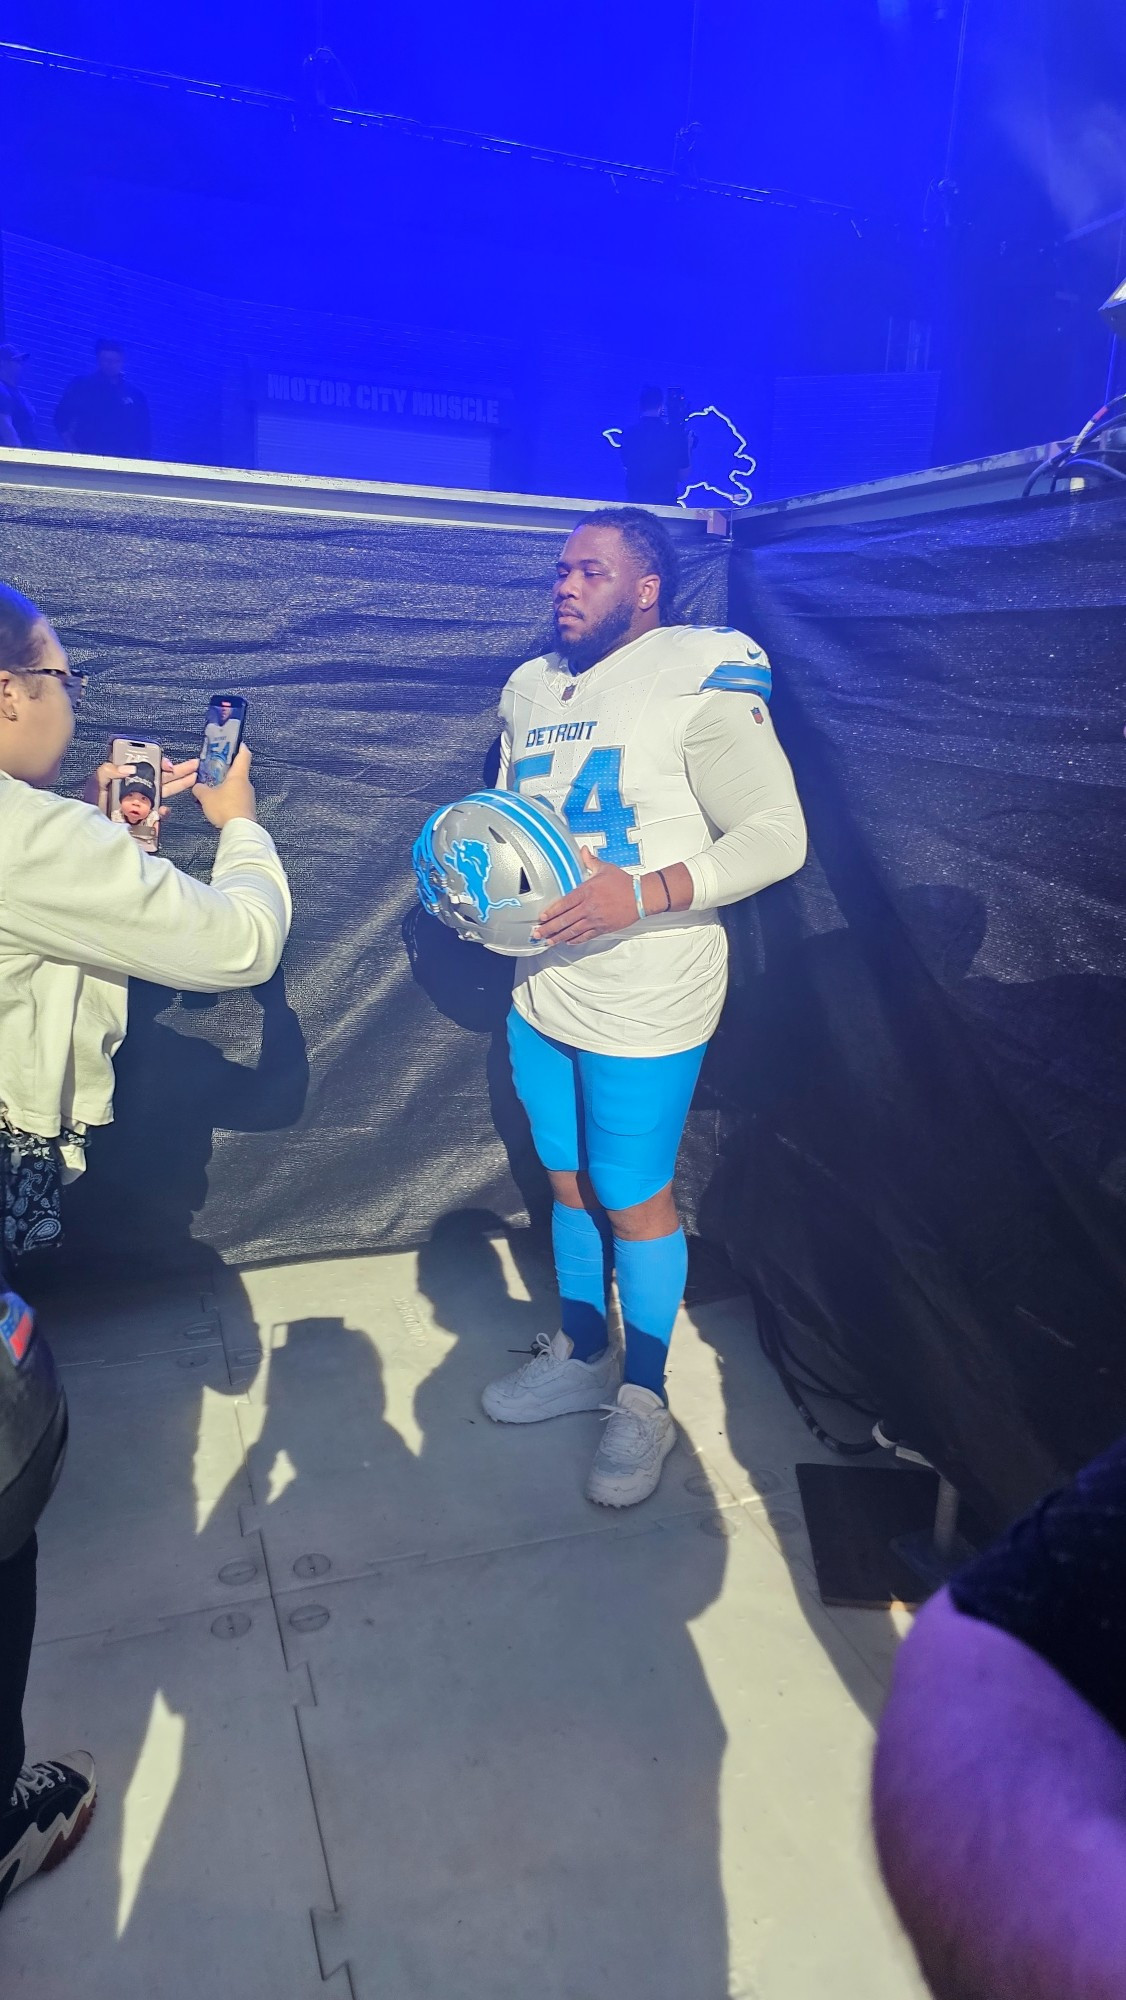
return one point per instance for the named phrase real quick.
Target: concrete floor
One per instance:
(383, 1707)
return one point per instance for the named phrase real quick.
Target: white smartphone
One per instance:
(135, 801)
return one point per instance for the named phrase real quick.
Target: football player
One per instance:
(653, 740)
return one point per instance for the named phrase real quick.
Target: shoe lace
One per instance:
(35, 1779)
(541, 1352)
(629, 1436)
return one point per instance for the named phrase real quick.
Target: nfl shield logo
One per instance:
(567, 693)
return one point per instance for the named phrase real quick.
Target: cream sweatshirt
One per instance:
(81, 908)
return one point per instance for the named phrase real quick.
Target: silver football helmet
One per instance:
(490, 864)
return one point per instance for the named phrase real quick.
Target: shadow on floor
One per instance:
(761, 1433)
(150, 1327)
(636, 1738)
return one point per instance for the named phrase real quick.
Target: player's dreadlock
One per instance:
(649, 542)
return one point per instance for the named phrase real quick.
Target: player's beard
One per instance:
(597, 640)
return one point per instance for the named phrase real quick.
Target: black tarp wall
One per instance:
(924, 1135)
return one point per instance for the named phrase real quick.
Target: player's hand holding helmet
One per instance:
(605, 904)
(489, 865)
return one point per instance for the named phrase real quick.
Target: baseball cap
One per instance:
(10, 352)
(143, 781)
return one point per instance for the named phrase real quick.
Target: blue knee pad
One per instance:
(618, 1118)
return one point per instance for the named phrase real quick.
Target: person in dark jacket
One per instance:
(103, 413)
(655, 454)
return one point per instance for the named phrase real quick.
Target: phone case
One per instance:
(222, 737)
(135, 802)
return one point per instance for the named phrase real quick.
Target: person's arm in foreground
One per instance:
(114, 907)
(999, 1790)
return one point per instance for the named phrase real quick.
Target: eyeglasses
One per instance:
(75, 684)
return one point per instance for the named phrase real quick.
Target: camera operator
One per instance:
(82, 907)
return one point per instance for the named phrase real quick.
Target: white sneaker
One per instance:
(638, 1438)
(551, 1384)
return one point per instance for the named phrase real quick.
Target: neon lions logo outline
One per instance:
(724, 459)
(471, 860)
(724, 466)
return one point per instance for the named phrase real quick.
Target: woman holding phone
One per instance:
(83, 907)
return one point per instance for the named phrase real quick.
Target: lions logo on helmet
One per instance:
(489, 865)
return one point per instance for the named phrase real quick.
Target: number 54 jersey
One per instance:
(610, 749)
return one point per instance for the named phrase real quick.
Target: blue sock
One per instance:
(651, 1278)
(581, 1247)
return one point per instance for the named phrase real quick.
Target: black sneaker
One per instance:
(47, 1815)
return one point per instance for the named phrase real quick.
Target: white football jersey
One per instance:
(605, 749)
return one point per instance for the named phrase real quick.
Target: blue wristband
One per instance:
(639, 899)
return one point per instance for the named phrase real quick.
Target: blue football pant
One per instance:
(619, 1120)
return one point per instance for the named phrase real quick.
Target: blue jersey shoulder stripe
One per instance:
(741, 677)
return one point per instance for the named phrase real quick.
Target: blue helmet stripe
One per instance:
(425, 859)
(524, 814)
(566, 867)
(424, 855)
